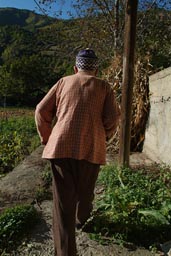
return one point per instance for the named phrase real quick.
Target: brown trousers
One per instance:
(73, 193)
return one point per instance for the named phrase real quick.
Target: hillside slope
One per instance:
(23, 18)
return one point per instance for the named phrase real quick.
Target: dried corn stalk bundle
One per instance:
(140, 105)
(113, 74)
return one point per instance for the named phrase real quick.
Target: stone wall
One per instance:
(157, 143)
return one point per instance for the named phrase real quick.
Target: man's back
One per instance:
(80, 97)
(80, 106)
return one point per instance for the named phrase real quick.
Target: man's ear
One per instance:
(75, 69)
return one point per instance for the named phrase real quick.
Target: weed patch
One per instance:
(18, 138)
(44, 192)
(135, 205)
(14, 224)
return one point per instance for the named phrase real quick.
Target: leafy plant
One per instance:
(135, 203)
(15, 223)
(44, 191)
(47, 176)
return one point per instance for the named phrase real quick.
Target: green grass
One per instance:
(18, 138)
(135, 205)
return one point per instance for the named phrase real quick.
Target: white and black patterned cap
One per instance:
(86, 60)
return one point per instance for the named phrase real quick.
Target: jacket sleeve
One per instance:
(111, 113)
(45, 113)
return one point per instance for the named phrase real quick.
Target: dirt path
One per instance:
(20, 186)
(40, 241)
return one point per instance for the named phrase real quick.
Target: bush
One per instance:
(15, 223)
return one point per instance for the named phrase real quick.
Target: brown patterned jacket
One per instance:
(86, 113)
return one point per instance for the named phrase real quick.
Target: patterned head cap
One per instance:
(87, 60)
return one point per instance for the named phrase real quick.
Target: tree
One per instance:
(154, 34)
(111, 12)
(25, 80)
(6, 86)
(102, 23)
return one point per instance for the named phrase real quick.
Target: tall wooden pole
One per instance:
(128, 78)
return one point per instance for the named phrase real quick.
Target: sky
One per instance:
(31, 5)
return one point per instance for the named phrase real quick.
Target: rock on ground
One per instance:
(21, 184)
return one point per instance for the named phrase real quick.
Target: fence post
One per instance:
(128, 78)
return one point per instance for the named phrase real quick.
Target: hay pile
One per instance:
(140, 105)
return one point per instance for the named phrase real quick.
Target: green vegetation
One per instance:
(47, 176)
(14, 224)
(44, 192)
(135, 205)
(18, 138)
(13, 16)
(33, 57)
(37, 50)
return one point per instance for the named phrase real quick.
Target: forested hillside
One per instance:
(23, 18)
(36, 50)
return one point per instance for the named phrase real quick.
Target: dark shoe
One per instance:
(84, 227)
(79, 226)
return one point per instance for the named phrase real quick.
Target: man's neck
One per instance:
(87, 72)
